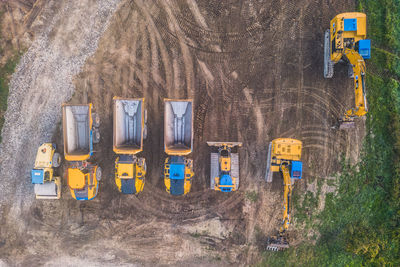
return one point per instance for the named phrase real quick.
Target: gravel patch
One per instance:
(41, 83)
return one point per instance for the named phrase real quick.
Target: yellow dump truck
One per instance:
(80, 132)
(129, 130)
(178, 143)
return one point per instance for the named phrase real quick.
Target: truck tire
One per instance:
(98, 173)
(96, 136)
(56, 160)
(96, 120)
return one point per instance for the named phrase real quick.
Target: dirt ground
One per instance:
(255, 72)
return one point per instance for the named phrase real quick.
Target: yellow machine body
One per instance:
(130, 175)
(224, 170)
(83, 183)
(339, 35)
(283, 152)
(343, 47)
(46, 185)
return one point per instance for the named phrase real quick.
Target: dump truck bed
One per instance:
(128, 125)
(76, 131)
(178, 126)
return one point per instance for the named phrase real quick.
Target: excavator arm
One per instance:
(280, 242)
(287, 194)
(358, 66)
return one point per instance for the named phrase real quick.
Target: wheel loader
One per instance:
(345, 41)
(284, 156)
(46, 185)
(129, 130)
(80, 132)
(224, 171)
(178, 143)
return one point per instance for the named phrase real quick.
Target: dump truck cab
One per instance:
(80, 132)
(178, 143)
(129, 130)
(178, 173)
(46, 185)
(83, 180)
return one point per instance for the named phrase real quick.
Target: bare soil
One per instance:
(255, 72)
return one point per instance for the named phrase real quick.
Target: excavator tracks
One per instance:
(328, 64)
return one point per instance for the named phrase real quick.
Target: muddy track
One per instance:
(254, 70)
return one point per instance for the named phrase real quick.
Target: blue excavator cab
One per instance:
(296, 170)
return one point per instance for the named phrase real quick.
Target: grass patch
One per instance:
(252, 196)
(5, 74)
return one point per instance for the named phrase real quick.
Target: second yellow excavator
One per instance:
(284, 155)
(346, 41)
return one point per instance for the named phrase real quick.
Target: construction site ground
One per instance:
(255, 72)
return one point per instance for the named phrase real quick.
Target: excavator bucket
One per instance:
(277, 243)
(346, 125)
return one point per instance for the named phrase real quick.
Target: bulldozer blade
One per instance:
(268, 172)
(277, 244)
(228, 144)
(328, 64)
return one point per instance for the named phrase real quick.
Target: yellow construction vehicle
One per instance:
(178, 143)
(224, 172)
(346, 41)
(284, 155)
(80, 131)
(46, 185)
(129, 130)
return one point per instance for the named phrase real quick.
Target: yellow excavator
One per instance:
(346, 42)
(284, 155)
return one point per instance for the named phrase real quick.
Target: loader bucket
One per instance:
(76, 131)
(128, 125)
(178, 127)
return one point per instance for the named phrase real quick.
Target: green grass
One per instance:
(252, 196)
(5, 73)
(360, 225)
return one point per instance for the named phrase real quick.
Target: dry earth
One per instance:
(254, 70)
